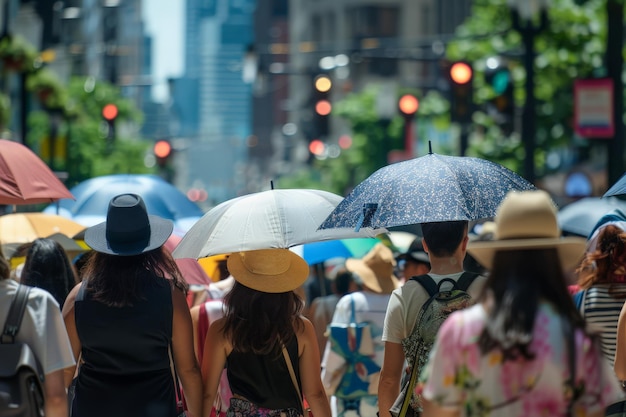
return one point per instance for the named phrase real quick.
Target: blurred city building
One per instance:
(211, 103)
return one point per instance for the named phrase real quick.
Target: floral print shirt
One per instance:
(483, 385)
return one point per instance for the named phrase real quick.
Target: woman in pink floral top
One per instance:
(508, 355)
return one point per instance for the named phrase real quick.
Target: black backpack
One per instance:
(21, 374)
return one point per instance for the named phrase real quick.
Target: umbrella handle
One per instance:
(365, 219)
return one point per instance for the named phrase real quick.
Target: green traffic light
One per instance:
(501, 81)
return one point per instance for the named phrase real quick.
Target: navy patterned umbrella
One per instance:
(430, 188)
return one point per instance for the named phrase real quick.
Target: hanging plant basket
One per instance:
(17, 54)
(48, 88)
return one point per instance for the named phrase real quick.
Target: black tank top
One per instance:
(264, 379)
(126, 368)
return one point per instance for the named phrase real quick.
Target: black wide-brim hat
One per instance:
(129, 229)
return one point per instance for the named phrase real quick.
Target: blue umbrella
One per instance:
(582, 217)
(161, 198)
(430, 188)
(619, 188)
(317, 252)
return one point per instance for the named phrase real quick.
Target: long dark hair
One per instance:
(258, 322)
(47, 266)
(518, 282)
(115, 280)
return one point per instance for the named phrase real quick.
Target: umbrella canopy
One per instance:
(316, 252)
(580, 217)
(25, 178)
(431, 188)
(264, 220)
(619, 188)
(26, 227)
(161, 198)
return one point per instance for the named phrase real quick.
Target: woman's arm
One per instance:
(184, 356)
(390, 376)
(56, 397)
(309, 363)
(72, 333)
(214, 355)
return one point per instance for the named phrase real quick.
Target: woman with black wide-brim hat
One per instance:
(126, 317)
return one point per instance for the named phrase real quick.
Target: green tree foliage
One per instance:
(572, 46)
(88, 154)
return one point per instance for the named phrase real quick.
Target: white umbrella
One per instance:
(265, 220)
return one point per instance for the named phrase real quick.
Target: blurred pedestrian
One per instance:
(48, 267)
(602, 285)
(509, 354)
(128, 317)
(446, 244)
(322, 309)
(269, 349)
(414, 261)
(376, 274)
(42, 329)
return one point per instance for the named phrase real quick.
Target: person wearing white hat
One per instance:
(524, 348)
(269, 349)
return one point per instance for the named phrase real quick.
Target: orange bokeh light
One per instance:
(109, 112)
(162, 149)
(461, 72)
(316, 147)
(323, 107)
(408, 104)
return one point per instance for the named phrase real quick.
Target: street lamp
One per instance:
(523, 15)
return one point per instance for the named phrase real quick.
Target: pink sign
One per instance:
(593, 108)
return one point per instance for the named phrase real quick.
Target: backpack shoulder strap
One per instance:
(80, 296)
(428, 283)
(16, 313)
(466, 280)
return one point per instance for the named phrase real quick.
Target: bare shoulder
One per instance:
(71, 299)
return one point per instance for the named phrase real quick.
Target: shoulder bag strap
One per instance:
(428, 283)
(16, 313)
(571, 345)
(293, 376)
(466, 280)
(203, 328)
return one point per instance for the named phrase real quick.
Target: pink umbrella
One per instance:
(25, 178)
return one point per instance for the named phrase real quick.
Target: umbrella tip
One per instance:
(430, 147)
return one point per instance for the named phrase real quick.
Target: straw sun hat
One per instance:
(527, 220)
(376, 269)
(268, 270)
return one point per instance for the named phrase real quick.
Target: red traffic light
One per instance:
(408, 104)
(461, 72)
(323, 107)
(109, 112)
(162, 149)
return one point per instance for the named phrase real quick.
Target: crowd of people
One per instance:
(517, 321)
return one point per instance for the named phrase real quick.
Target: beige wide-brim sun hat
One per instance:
(376, 269)
(268, 270)
(527, 220)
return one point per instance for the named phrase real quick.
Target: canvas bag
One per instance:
(417, 346)
(21, 374)
(351, 362)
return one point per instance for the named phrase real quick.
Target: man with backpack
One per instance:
(425, 300)
(35, 351)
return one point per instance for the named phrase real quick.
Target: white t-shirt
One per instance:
(42, 327)
(405, 304)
